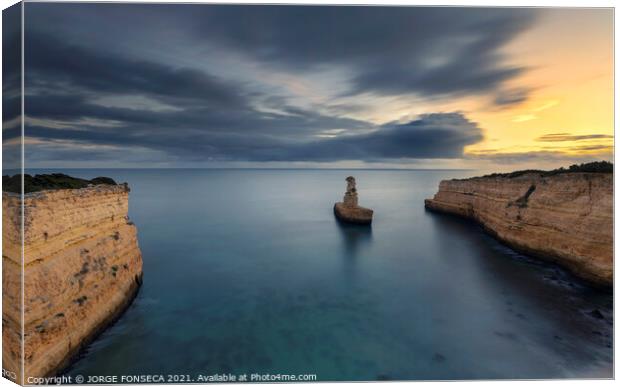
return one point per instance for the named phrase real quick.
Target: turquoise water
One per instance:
(247, 271)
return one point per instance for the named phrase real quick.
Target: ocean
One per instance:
(247, 272)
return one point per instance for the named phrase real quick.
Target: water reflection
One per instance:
(354, 238)
(530, 292)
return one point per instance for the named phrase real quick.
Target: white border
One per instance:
(479, 3)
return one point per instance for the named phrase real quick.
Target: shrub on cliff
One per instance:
(596, 166)
(593, 167)
(49, 181)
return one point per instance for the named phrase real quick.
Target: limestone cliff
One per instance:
(82, 267)
(566, 218)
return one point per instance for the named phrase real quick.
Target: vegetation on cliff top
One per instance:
(49, 182)
(593, 167)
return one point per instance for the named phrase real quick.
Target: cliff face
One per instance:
(11, 287)
(566, 218)
(82, 267)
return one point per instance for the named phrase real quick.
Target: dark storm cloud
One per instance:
(78, 56)
(51, 60)
(295, 123)
(11, 71)
(439, 135)
(389, 50)
(68, 79)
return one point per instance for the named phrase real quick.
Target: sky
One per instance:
(155, 85)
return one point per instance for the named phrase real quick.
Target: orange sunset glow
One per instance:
(569, 113)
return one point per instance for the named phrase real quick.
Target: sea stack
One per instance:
(348, 210)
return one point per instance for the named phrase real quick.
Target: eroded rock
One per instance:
(348, 210)
(82, 268)
(566, 218)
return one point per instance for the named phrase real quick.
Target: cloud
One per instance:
(511, 96)
(559, 137)
(546, 105)
(77, 88)
(53, 63)
(381, 50)
(560, 158)
(559, 155)
(388, 50)
(524, 118)
(140, 85)
(11, 71)
(439, 135)
(84, 97)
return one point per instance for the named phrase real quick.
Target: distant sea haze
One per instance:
(247, 271)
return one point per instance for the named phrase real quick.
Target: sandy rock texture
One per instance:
(348, 210)
(11, 287)
(82, 268)
(566, 218)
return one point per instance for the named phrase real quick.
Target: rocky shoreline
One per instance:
(566, 218)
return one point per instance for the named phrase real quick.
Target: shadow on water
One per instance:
(532, 288)
(502, 260)
(354, 238)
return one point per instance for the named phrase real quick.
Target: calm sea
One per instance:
(247, 271)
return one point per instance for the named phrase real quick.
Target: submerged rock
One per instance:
(348, 210)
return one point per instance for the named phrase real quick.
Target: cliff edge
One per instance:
(82, 268)
(563, 217)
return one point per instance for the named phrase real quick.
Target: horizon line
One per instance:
(249, 168)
